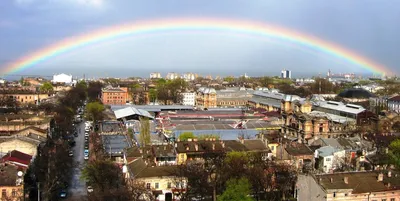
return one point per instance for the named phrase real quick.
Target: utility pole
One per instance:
(38, 189)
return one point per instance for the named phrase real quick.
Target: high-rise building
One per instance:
(155, 75)
(172, 76)
(286, 74)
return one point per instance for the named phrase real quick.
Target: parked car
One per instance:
(76, 134)
(71, 153)
(89, 189)
(63, 193)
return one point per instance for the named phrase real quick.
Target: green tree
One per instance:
(82, 84)
(153, 95)
(107, 181)
(94, 111)
(46, 87)
(236, 189)
(229, 79)
(144, 131)
(205, 136)
(394, 152)
(266, 81)
(186, 135)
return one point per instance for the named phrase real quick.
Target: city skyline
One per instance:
(196, 50)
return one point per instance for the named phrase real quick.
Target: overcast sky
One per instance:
(369, 27)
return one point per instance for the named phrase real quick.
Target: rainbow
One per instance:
(191, 24)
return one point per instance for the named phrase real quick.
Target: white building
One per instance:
(330, 158)
(189, 98)
(189, 76)
(155, 75)
(62, 78)
(286, 74)
(172, 76)
(394, 104)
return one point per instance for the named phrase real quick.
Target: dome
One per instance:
(356, 93)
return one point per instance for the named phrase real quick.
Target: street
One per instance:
(77, 189)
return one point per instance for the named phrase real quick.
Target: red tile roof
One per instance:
(18, 158)
(396, 98)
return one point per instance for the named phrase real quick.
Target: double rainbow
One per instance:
(202, 24)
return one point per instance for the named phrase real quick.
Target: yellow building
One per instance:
(11, 183)
(164, 182)
(206, 98)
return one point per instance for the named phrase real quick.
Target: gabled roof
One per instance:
(359, 182)
(298, 149)
(18, 158)
(199, 147)
(255, 145)
(130, 111)
(395, 98)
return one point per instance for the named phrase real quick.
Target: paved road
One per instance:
(78, 189)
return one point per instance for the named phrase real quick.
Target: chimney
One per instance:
(195, 140)
(213, 146)
(380, 177)
(389, 174)
(196, 147)
(189, 140)
(331, 180)
(222, 144)
(346, 180)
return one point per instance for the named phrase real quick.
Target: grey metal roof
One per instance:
(266, 94)
(129, 111)
(273, 102)
(326, 151)
(154, 108)
(332, 117)
(339, 106)
(115, 144)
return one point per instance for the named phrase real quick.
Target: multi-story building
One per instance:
(189, 76)
(189, 98)
(286, 74)
(269, 100)
(155, 75)
(62, 78)
(114, 95)
(11, 182)
(172, 76)
(394, 104)
(233, 97)
(206, 98)
(26, 96)
(349, 186)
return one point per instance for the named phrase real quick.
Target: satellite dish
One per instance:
(20, 173)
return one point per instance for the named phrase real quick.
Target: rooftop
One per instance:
(17, 158)
(130, 112)
(360, 182)
(356, 93)
(339, 106)
(115, 144)
(298, 149)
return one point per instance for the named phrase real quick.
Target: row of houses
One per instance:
(20, 138)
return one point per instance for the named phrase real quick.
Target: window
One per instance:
(169, 185)
(272, 148)
(156, 185)
(392, 199)
(383, 199)
(327, 159)
(3, 193)
(14, 193)
(148, 185)
(334, 194)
